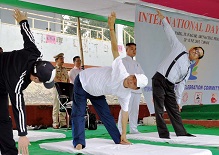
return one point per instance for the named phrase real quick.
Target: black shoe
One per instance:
(188, 135)
(165, 137)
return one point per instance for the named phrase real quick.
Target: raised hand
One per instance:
(160, 15)
(19, 16)
(111, 20)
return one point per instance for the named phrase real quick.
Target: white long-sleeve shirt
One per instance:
(132, 67)
(107, 81)
(180, 68)
(73, 73)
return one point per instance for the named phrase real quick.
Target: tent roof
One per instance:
(125, 9)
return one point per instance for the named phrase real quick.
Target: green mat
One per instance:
(101, 132)
(200, 115)
(201, 108)
(200, 112)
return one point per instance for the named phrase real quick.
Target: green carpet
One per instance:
(201, 108)
(101, 132)
(200, 115)
(200, 112)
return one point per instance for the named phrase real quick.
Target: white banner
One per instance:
(153, 47)
(96, 52)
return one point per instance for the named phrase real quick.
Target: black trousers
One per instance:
(164, 96)
(7, 143)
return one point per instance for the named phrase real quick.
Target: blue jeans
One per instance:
(80, 97)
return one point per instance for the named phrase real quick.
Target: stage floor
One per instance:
(102, 133)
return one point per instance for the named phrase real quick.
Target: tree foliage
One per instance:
(94, 29)
(88, 27)
(129, 36)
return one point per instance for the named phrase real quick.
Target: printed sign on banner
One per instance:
(198, 97)
(50, 39)
(153, 47)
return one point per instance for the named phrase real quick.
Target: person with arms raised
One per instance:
(17, 70)
(93, 84)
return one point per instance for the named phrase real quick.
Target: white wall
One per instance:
(96, 52)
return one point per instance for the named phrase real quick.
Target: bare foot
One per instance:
(125, 143)
(79, 147)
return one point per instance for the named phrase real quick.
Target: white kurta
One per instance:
(132, 67)
(107, 81)
(73, 73)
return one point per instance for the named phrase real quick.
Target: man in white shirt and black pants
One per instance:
(132, 67)
(94, 83)
(173, 70)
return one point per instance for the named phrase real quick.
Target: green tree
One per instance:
(95, 28)
(87, 26)
(129, 36)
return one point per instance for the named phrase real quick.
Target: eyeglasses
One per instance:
(197, 52)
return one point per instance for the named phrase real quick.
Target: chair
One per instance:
(65, 96)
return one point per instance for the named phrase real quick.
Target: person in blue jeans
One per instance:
(93, 84)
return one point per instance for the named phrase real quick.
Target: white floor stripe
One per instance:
(38, 135)
(96, 146)
(201, 140)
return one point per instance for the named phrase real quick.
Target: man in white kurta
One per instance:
(132, 67)
(76, 69)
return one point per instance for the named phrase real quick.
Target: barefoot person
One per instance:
(93, 84)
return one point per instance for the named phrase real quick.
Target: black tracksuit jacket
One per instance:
(15, 75)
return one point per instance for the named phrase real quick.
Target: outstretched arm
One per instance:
(19, 16)
(16, 96)
(28, 38)
(124, 102)
(111, 22)
(123, 139)
(171, 36)
(160, 15)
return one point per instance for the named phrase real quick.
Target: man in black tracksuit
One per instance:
(17, 69)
